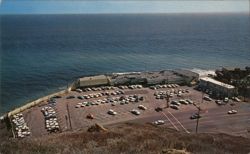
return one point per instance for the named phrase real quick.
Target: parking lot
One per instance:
(73, 113)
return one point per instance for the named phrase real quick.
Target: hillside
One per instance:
(127, 138)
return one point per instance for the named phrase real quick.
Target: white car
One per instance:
(237, 99)
(122, 102)
(182, 101)
(112, 112)
(158, 97)
(218, 102)
(232, 112)
(159, 122)
(179, 94)
(142, 107)
(207, 98)
(226, 99)
(77, 106)
(79, 90)
(171, 95)
(136, 112)
(189, 101)
(175, 103)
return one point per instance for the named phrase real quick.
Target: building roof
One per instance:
(207, 79)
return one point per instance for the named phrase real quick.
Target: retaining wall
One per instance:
(38, 101)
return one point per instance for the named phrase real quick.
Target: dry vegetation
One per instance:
(128, 138)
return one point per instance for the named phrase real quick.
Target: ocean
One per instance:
(41, 54)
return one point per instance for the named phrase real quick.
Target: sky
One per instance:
(121, 6)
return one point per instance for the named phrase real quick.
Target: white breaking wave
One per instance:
(124, 73)
(203, 72)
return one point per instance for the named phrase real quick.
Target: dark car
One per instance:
(195, 116)
(161, 97)
(137, 100)
(90, 116)
(141, 98)
(51, 101)
(80, 97)
(70, 97)
(158, 109)
(174, 107)
(57, 96)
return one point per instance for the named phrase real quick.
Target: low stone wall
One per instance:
(36, 102)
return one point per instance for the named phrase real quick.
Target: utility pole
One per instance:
(167, 100)
(197, 121)
(69, 115)
(198, 114)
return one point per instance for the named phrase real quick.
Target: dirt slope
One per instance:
(128, 138)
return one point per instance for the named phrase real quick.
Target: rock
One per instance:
(97, 128)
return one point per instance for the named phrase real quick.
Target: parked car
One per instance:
(158, 97)
(226, 99)
(189, 101)
(195, 116)
(232, 112)
(142, 107)
(57, 96)
(182, 101)
(232, 104)
(135, 112)
(78, 106)
(218, 102)
(175, 103)
(174, 107)
(70, 97)
(88, 104)
(79, 90)
(80, 97)
(159, 122)
(90, 116)
(207, 98)
(112, 112)
(51, 101)
(158, 109)
(141, 98)
(237, 99)
(171, 95)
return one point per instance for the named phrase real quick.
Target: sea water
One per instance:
(41, 54)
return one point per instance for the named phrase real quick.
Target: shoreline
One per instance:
(97, 96)
(121, 75)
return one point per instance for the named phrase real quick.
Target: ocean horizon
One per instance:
(41, 54)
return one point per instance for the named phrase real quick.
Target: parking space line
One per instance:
(170, 121)
(178, 122)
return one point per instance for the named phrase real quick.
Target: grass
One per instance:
(128, 138)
